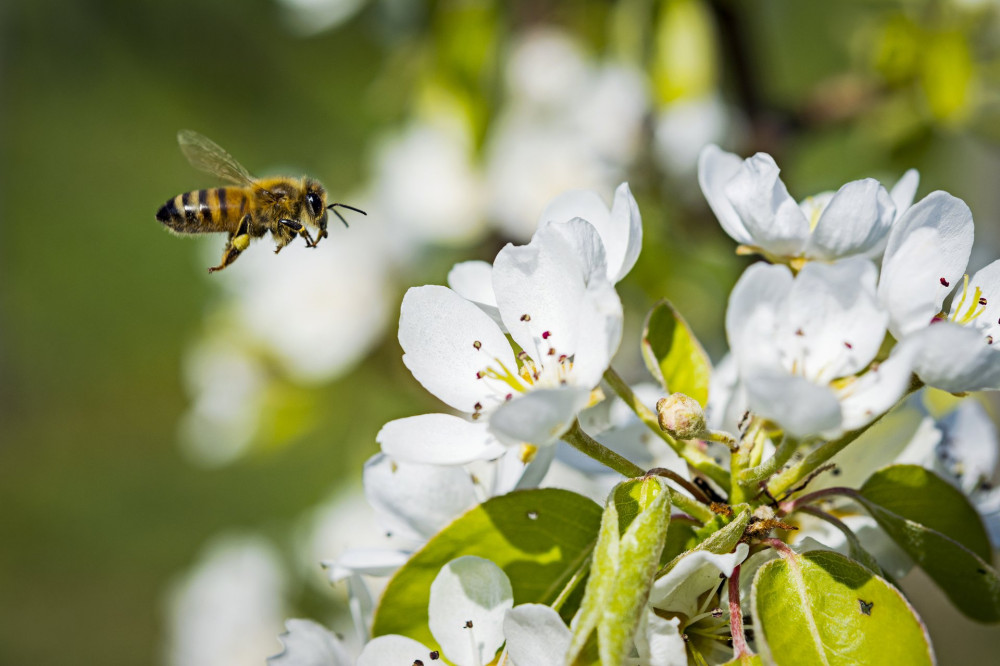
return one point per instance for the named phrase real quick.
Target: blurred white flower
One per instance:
(227, 609)
(686, 126)
(309, 17)
(426, 185)
(306, 643)
(569, 123)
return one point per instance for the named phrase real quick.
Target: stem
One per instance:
(740, 646)
(852, 538)
(686, 450)
(795, 504)
(580, 440)
(682, 482)
(753, 476)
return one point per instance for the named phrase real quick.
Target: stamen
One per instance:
(525, 317)
(945, 283)
(476, 344)
(848, 345)
(546, 334)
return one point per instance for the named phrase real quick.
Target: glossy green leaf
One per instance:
(673, 354)
(540, 538)
(823, 608)
(917, 494)
(900, 498)
(623, 566)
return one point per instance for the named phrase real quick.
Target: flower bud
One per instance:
(681, 416)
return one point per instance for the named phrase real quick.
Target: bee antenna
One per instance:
(334, 207)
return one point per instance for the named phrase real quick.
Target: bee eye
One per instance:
(315, 205)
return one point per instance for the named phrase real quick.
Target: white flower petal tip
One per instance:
(716, 168)
(390, 650)
(540, 417)
(956, 358)
(855, 221)
(473, 281)
(904, 190)
(536, 636)
(307, 643)
(468, 601)
(697, 572)
(367, 561)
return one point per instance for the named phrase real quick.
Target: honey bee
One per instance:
(284, 206)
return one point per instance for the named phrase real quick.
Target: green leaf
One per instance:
(823, 608)
(917, 494)
(623, 566)
(673, 354)
(540, 538)
(900, 498)
(748, 660)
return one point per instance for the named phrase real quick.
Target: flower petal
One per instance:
(539, 417)
(367, 561)
(832, 322)
(904, 190)
(679, 591)
(926, 255)
(969, 445)
(855, 221)
(752, 315)
(771, 216)
(801, 407)
(393, 649)
(716, 168)
(659, 641)
(557, 303)
(536, 636)
(875, 392)
(439, 331)
(397, 490)
(987, 280)
(956, 358)
(468, 601)
(438, 439)
(309, 644)
(473, 281)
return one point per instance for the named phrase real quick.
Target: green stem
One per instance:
(750, 478)
(580, 440)
(686, 450)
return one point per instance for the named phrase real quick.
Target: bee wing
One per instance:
(206, 155)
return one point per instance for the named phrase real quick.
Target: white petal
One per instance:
(716, 168)
(855, 221)
(398, 491)
(801, 407)
(876, 391)
(473, 280)
(628, 224)
(438, 331)
(368, 561)
(469, 590)
(926, 255)
(752, 316)
(536, 636)
(904, 190)
(833, 324)
(556, 300)
(392, 650)
(539, 417)
(309, 644)
(956, 358)
(696, 573)
(659, 641)
(771, 216)
(438, 439)
(987, 279)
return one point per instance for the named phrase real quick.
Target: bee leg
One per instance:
(235, 246)
(309, 241)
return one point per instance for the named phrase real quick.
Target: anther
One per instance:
(546, 334)
(799, 332)
(521, 355)
(479, 375)
(989, 339)
(848, 345)
(435, 655)
(478, 406)
(982, 300)
(552, 351)
(945, 283)
(417, 662)
(525, 317)
(476, 415)
(468, 624)
(562, 358)
(477, 344)
(508, 396)
(717, 612)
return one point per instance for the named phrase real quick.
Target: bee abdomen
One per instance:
(201, 210)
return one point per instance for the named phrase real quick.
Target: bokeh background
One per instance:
(178, 451)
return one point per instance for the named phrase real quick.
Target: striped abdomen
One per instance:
(199, 211)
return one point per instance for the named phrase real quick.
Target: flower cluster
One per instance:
(782, 481)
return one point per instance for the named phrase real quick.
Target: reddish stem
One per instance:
(740, 646)
(790, 505)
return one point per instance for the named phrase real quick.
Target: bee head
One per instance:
(316, 204)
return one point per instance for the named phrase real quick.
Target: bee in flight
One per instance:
(285, 206)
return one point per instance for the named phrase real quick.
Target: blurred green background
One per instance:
(102, 508)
